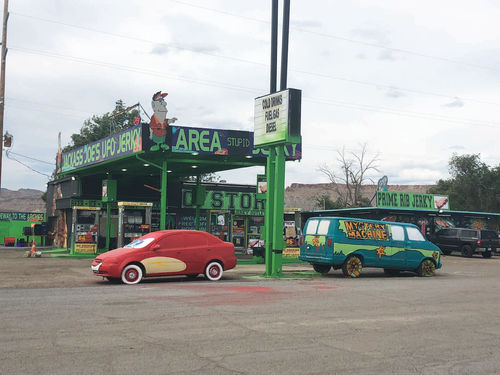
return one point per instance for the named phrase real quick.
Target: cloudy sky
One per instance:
(414, 81)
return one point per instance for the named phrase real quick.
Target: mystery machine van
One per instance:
(352, 244)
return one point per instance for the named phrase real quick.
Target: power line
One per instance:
(7, 153)
(344, 39)
(256, 91)
(28, 157)
(314, 74)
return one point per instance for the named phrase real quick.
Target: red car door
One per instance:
(178, 253)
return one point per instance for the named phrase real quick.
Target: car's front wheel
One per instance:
(467, 251)
(213, 271)
(426, 268)
(322, 268)
(132, 274)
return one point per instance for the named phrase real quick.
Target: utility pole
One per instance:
(2, 78)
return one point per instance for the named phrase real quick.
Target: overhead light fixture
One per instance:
(146, 164)
(195, 153)
(169, 171)
(194, 166)
(249, 156)
(124, 169)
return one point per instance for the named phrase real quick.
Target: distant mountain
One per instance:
(22, 200)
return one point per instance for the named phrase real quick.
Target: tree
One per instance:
(326, 203)
(352, 174)
(473, 185)
(99, 127)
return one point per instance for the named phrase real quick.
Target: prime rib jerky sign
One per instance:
(120, 144)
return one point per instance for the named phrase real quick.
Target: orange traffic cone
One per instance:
(33, 249)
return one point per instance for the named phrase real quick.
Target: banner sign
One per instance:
(86, 248)
(120, 144)
(189, 222)
(241, 203)
(180, 140)
(413, 201)
(222, 142)
(277, 118)
(22, 216)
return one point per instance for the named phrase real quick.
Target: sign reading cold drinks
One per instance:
(277, 118)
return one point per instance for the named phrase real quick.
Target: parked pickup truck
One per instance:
(467, 241)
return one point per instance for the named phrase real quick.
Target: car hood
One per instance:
(117, 254)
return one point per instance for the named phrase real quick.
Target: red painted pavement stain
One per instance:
(227, 295)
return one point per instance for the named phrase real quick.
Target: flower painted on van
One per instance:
(316, 241)
(381, 251)
(435, 254)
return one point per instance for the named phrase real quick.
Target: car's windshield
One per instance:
(141, 242)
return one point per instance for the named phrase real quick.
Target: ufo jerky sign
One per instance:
(120, 144)
(277, 118)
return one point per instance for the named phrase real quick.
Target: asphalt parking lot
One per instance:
(57, 318)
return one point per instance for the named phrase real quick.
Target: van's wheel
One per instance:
(213, 271)
(352, 266)
(322, 268)
(132, 274)
(487, 254)
(467, 251)
(427, 268)
(391, 272)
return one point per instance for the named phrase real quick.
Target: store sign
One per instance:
(222, 142)
(241, 203)
(414, 201)
(86, 248)
(120, 144)
(189, 222)
(277, 118)
(21, 216)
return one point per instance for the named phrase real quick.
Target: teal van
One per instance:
(351, 244)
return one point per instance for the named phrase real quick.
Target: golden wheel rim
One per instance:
(354, 267)
(428, 268)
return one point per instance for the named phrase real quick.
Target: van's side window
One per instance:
(323, 227)
(311, 227)
(414, 234)
(398, 233)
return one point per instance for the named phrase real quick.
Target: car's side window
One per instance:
(173, 241)
(398, 233)
(469, 233)
(414, 234)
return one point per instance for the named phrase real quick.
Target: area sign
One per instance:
(277, 118)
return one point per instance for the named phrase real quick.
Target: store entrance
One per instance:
(239, 233)
(218, 224)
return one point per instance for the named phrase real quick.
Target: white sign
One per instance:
(271, 118)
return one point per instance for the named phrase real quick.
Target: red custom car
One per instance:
(167, 253)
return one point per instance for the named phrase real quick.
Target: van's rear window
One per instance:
(312, 225)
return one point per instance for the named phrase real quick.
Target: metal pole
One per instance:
(284, 44)
(2, 77)
(268, 219)
(279, 204)
(274, 46)
(163, 199)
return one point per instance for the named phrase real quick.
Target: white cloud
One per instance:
(406, 101)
